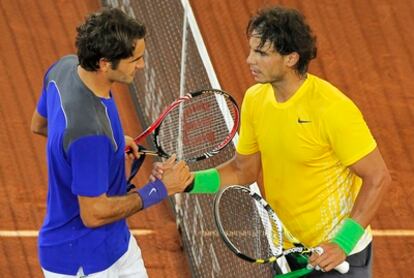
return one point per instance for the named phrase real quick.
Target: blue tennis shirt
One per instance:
(85, 154)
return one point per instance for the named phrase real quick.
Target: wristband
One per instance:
(348, 235)
(206, 181)
(152, 193)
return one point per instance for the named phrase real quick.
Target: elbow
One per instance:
(94, 210)
(37, 129)
(34, 128)
(382, 181)
(90, 219)
(38, 124)
(248, 177)
(248, 181)
(90, 223)
(386, 179)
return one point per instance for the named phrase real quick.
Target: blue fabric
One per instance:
(85, 164)
(91, 166)
(42, 105)
(152, 193)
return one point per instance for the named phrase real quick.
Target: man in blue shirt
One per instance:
(85, 230)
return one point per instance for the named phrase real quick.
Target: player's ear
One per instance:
(292, 59)
(104, 64)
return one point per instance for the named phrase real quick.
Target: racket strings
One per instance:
(199, 126)
(248, 225)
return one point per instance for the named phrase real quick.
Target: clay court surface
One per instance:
(365, 48)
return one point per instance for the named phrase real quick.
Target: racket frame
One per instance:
(259, 200)
(155, 126)
(281, 229)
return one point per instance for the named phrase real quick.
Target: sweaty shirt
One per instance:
(85, 155)
(306, 144)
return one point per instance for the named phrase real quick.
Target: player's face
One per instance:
(266, 64)
(125, 72)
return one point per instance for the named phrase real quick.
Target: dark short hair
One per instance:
(287, 30)
(109, 34)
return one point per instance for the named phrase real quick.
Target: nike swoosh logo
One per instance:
(303, 121)
(152, 190)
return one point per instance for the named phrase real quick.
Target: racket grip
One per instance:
(343, 267)
(148, 152)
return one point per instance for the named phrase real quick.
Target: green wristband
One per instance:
(206, 181)
(348, 235)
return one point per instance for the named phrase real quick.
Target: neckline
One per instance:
(293, 99)
(76, 74)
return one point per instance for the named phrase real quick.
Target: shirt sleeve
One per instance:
(42, 103)
(89, 157)
(247, 143)
(347, 132)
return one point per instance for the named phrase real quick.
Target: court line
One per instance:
(390, 233)
(33, 233)
(143, 232)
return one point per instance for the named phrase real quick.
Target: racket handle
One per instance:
(343, 267)
(148, 153)
(142, 150)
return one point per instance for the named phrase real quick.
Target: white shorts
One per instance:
(129, 265)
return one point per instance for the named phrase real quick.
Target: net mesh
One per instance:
(247, 224)
(154, 89)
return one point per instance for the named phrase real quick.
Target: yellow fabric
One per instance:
(305, 145)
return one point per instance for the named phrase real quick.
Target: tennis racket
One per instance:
(195, 127)
(251, 229)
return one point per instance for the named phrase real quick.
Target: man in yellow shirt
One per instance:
(322, 171)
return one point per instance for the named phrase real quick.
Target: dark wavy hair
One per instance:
(109, 34)
(288, 32)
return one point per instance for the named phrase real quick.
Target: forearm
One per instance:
(233, 172)
(363, 212)
(111, 209)
(241, 169)
(101, 210)
(375, 182)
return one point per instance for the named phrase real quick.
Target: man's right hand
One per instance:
(176, 176)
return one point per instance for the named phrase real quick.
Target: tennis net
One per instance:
(177, 62)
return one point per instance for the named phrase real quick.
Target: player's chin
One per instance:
(258, 78)
(126, 80)
(261, 80)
